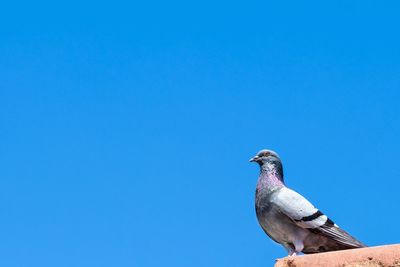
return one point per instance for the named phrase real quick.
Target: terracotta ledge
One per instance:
(382, 256)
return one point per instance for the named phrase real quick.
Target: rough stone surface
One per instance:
(382, 256)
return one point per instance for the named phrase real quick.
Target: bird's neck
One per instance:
(270, 178)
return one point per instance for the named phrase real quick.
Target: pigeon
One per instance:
(290, 219)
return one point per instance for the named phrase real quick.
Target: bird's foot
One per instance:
(293, 254)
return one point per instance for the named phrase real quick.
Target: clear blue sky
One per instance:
(126, 128)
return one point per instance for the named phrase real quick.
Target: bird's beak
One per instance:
(255, 158)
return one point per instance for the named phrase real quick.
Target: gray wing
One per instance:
(332, 231)
(306, 216)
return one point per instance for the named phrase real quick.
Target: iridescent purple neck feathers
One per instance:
(271, 176)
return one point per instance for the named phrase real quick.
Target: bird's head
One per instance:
(265, 156)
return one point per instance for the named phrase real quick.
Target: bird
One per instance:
(290, 219)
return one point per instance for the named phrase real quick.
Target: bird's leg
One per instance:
(298, 247)
(292, 253)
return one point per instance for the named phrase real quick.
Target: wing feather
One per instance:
(306, 216)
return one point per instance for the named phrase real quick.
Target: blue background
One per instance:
(126, 128)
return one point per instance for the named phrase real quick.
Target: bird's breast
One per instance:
(276, 224)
